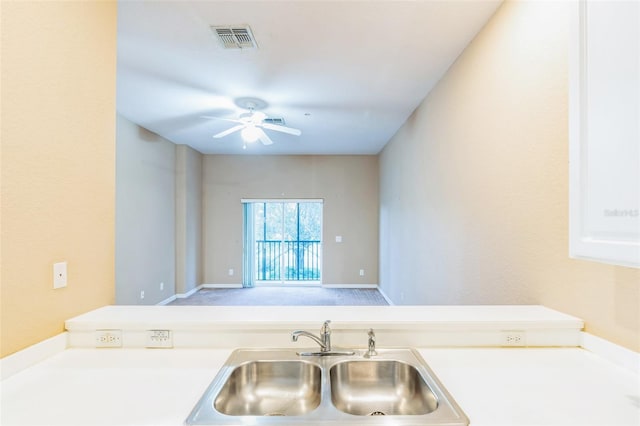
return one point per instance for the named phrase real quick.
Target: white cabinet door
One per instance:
(604, 132)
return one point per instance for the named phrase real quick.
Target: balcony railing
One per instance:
(287, 260)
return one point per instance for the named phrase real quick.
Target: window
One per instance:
(283, 241)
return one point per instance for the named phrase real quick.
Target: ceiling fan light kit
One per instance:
(250, 134)
(251, 123)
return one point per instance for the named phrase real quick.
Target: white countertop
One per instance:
(282, 317)
(494, 386)
(131, 385)
(222, 327)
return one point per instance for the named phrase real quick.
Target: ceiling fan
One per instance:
(252, 123)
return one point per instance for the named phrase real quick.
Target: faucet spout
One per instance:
(298, 333)
(324, 340)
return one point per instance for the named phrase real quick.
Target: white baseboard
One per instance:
(32, 355)
(167, 300)
(612, 352)
(389, 301)
(189, 293)
(350, 285)
(195, 290)
(179, 296)
(302, 284)
(221, 286)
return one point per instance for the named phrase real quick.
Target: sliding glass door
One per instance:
(286, 242)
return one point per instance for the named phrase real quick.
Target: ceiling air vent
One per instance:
(274, 120)
(236, 37)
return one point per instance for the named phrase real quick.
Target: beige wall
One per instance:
(348, 185)
(473, 197)
(474, 187)
(58, 154)
(145, 215)
(188, 219)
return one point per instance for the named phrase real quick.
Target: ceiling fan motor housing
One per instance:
(251, 104)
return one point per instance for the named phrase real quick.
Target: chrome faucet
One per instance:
(372, 345)
(324, 340)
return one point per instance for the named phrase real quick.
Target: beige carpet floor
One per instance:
(284, 296)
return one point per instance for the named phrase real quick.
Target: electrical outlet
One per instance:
(159, 339)
(362, 272)
(513, 338)
(231, 272)
(141, 294)
(108, 338)
(161, 286)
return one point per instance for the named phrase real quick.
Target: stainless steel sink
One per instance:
(270, 388)
(279, 387)
(380, 387)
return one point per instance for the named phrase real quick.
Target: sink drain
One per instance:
(377, 413)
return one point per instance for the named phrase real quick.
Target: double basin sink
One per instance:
(277, 386)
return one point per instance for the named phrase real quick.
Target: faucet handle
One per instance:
(325, 327)
(372, 344)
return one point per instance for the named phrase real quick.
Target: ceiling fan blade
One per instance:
(229, 131)
(283, 129)
(210, 117)
(266, 140)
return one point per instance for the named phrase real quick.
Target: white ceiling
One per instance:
(347, 73)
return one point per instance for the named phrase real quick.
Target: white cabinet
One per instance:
(604, 132)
